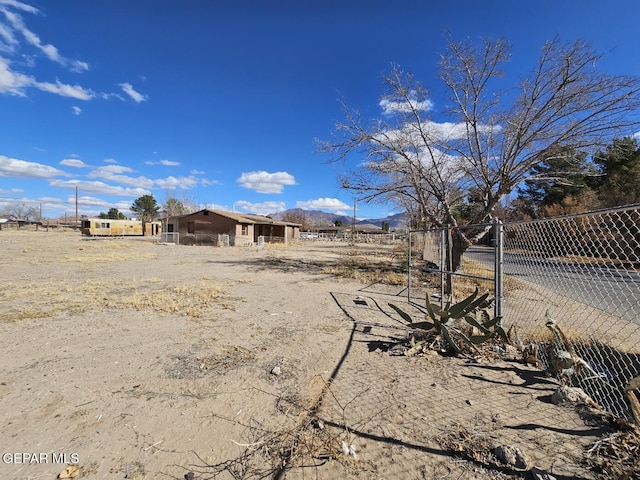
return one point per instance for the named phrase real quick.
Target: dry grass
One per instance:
(107, 251)
(301, 441)
(367, 274)
(49, 299)
(371, 264)
(27, 247)
(616, 456)
(464, 286)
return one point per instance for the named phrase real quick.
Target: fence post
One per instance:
(498, 231)
(443, 262)
(409, 265)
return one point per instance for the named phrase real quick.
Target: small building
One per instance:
(217, 227)
(12, 222)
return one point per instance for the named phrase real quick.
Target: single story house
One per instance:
(218, 227)
(14, 222)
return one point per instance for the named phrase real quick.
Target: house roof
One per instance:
(244, 218)
(13, 219)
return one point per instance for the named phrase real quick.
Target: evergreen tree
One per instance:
(146, 208)
(116, 214)
(619, 183)
(557, 179)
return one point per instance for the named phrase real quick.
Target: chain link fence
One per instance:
(569, 285)
(216, 239)
(455, 261)
(373, 238)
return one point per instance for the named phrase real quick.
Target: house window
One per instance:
(191, 227)
(245, 230)
(170, 227)
(205, 213)
(104, 225)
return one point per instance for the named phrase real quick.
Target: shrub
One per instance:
(447, 321)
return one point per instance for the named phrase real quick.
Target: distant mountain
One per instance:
(399, 220)
(319, 218)
(324, 219)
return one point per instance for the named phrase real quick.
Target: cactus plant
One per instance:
(446, 321)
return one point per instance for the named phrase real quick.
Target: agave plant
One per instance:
(446, 321)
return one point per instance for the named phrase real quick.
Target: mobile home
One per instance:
(106, 227)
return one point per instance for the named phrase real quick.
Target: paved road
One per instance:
(613, 290)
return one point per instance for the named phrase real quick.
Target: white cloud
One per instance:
(76, 110)
(206, 182)
(73, 162)
(263, 208)
(113, 169)
(167, 163)
(92, 206)
(109, 96)
(410, 135)
(172, 183)
(49, 199)
(136, 96)
(332, 204)
(11, 190)
(46, 204)
(88, 201)
(197, 172)
(15, 25)
(265, 182)
(448, 130)
(78, 66)
(65, 90)
(16, 37)
(15, 83)
(114, 173)
(100, 188)
(110, 160)
(19, 5)
(12, 167)
(392, 105)
(11, 82)
(8, 41)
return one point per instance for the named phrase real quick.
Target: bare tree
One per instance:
(21, 211)
(306, 223)
(491, 139)
(174, 207)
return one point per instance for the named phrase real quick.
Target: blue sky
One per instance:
(219, 102)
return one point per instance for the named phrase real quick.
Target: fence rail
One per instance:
(216, 239)
(373, 238)
(573, 279)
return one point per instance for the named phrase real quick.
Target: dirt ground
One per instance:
(134, 359)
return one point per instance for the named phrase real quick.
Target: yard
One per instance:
(133, 359)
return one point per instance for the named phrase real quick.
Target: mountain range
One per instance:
(323, 219)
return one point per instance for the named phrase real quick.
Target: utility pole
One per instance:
(76, 205)
(353, 230)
